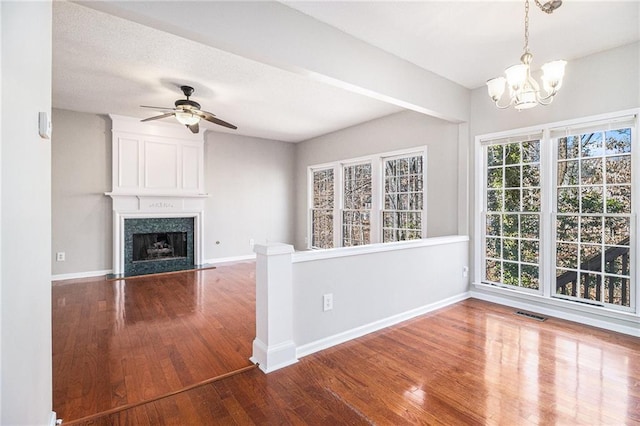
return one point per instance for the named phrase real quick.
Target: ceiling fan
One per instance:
(188, 112)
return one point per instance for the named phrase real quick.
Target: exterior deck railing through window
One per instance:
(566, 283)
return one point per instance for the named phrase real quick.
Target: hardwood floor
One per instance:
(471, 363)
(116, 343)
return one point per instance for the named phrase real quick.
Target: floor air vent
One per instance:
(530, 315)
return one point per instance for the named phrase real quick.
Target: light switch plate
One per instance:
(44, 125)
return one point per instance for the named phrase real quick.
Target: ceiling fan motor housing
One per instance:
(187, 104)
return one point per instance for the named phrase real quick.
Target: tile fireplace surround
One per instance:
(157, 173)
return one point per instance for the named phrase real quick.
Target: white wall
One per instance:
(25, 222)
(398, 131)
(250, 187)
(81, 173)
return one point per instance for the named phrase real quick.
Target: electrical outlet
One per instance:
(251, 242)
(465, 271)
(327, 302)
(60, 256)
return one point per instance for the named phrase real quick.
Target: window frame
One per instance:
(377, 193)
(548, 170)
(313, 208)
(633, 264)
(515, 138)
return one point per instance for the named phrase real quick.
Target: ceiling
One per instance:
(106, 64)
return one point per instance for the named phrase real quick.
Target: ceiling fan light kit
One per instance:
(188, 112)
(524, 90)
(187, 118)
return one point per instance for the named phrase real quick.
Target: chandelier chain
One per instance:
(526, 25)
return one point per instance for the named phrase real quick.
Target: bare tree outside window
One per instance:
(356, 214)
(322, 211)
(403, 199)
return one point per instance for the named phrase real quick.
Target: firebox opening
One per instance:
(159, 246)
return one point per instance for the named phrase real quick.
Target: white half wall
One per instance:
(395, 132)
(25, 216)
(372, 287)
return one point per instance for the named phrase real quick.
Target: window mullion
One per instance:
(547, 213)
(375, 213)
(338, 209)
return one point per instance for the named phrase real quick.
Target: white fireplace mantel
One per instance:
(156, 206)
(158, 172)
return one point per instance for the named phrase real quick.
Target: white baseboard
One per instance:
(219, 260)
(90, 274)
(562, 313)
(275, 357)
(336, 339)
(76, 275)
(53, 419)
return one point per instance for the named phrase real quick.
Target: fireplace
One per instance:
(157, 180)
(156, 244)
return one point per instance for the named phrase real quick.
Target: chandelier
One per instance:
(524, 91)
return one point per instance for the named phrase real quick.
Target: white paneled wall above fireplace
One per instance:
(157, 172)
(156, 158)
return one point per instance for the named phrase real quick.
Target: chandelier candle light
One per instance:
(524, 91)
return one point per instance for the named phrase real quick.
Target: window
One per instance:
(512, 206)
(403, 199)
(368, 200)
(322, 210)
(557, 212)
(356, 214)
(593, 221)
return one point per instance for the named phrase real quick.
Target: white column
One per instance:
(273, 347)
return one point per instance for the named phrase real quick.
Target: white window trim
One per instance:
(546, 260)
(377, 192)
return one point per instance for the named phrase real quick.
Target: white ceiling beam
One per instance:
(274, 34)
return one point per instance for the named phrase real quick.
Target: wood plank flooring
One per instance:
(472, 363)
(120, 342)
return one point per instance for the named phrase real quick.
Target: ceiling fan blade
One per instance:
(158, 108)
(212, 119)
(158, 117)
(221, 123)
(194, 128)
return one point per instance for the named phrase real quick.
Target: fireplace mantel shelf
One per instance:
(162, 195)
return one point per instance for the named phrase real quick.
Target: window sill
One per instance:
(559, 306)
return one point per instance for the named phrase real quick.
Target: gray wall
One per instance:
(596, 84)
(606, 82)
(249, 182)
(25, 225)
(250, 186)
(398, 131)
(81, 215)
